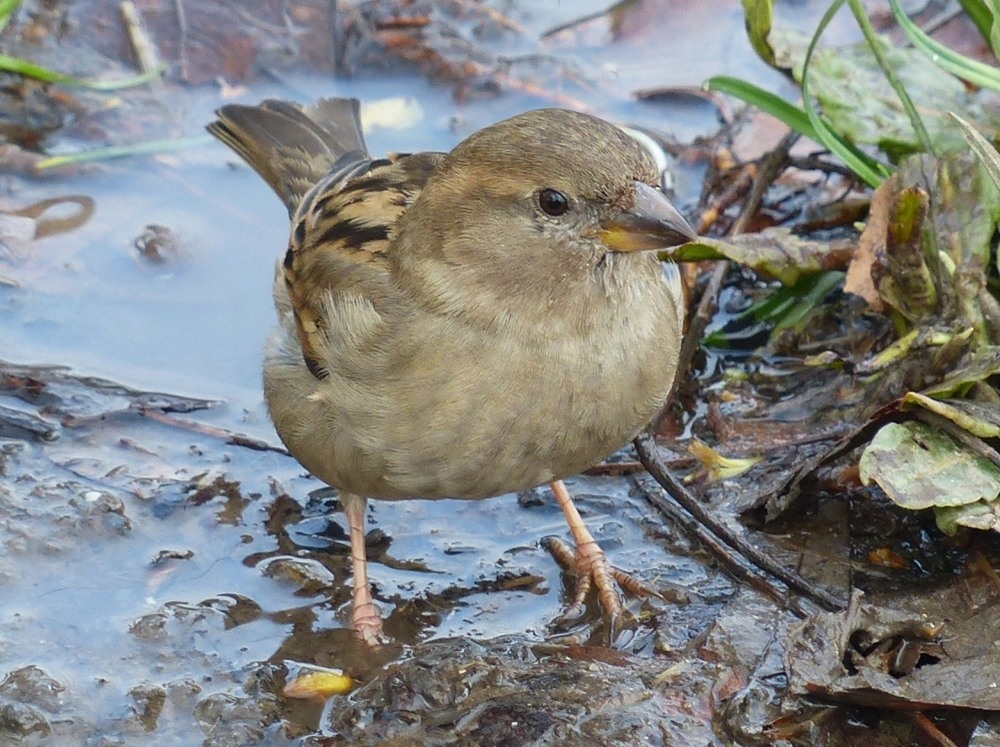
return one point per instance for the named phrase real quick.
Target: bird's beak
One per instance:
(652, 223)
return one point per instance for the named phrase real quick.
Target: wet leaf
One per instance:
(717, 466)
(775, 252)
(919, 467)
(319, 684)
(860, 103)
(979, 515)
(978, 418)
(922, 650)
(979, 366)
(758, 15)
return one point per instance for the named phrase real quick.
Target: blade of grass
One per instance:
(7, 8)
(867, 168)
(121, 151)
(977, 73)
(875, 45)
(980, 14)
(31, 70)
(766, 101)
(985, 152)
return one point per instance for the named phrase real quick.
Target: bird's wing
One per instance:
(341, 238)
(343, 204)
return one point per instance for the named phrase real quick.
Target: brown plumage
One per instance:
(465, 324)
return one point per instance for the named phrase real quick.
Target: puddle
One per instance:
(156, 580)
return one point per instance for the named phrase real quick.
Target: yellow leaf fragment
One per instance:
(319, 684)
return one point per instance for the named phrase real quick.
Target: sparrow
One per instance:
(464, 324)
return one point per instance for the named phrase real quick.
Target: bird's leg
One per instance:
(365, 618)
(591, 565)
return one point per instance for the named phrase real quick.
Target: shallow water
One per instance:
(139, 563)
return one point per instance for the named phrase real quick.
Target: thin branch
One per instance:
(646, 448)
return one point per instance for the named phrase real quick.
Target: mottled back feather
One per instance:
(344, 205)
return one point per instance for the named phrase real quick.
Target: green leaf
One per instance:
(889, 71)
(919, 467)
(758, 15)
(860, 104)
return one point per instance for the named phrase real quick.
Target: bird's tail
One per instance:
(292, 147)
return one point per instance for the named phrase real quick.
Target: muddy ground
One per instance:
(167, 569)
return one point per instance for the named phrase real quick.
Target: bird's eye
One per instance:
(553, 202)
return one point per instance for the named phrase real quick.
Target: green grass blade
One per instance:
(861, 16)
(31, 70)
(973, 71)
(868, 169)
(121, 151)
(980, 14)
(7, 8)
(985, 152)
(766, 101)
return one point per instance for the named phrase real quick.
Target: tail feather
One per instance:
(292, 147)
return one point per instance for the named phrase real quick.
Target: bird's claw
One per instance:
(592, 570)
(367, 623)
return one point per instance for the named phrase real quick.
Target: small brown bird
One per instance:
(467, 324)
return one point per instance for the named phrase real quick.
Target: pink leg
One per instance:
(365, 617)
(591, 564)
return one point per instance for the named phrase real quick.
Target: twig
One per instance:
(732, 563)
(771, 166)
(614, 469)
(646, 448)
(692, 340)
(931, 730)
(815, 162)
(580, 21)
(145, 51)
(236, 439)
(182, 37)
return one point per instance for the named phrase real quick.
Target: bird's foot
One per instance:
(592, 569)
(366, 620)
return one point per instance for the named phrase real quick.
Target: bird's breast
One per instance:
(433, 407)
